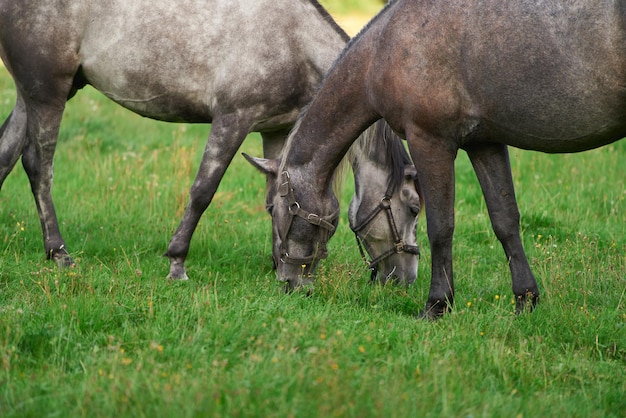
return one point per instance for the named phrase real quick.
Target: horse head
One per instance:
(386, 228)
(387, 201)
(300, 231)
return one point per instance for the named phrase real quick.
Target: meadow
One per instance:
(113, 337)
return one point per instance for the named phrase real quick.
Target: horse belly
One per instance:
(152, 97)
(544, 80)
(537, 140)
(553, 120)
(210, 66)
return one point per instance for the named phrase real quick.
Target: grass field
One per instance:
(113, 337)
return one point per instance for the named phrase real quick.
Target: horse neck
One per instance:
(324, 38)
(338, 114)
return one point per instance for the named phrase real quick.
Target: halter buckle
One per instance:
(385, 202)
(294, 208)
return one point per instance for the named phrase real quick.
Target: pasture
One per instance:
(112, 336)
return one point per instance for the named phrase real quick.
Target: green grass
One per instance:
(113, 337)
(343, 7)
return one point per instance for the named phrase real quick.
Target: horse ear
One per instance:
(264, 165)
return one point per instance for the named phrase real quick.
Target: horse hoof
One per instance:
(526, 302)
(429, 315)
(177, 276)
(298, 286)
(435, 310)
(63, 260)
(60, 257)
(177, 268)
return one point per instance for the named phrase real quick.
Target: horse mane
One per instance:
(380, 143)
(396, 153)
(364, 28)
(327, 17)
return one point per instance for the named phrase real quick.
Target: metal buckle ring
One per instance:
(293, 208)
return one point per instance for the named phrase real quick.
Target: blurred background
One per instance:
(352, 15)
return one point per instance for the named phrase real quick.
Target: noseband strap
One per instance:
(324, 222)
(399, 246)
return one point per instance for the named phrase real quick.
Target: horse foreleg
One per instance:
(227, 135)
(43, 131)
(492, 167)
(435, 171)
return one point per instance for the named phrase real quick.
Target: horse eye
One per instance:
(269, 208)
(415, 210)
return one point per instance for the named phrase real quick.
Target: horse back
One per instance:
(177, 61)
(541, 75)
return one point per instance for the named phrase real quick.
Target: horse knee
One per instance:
(7, 161)
(200, 198)
(32, 166)
(440, 235)
(506, 225)
(12, 138)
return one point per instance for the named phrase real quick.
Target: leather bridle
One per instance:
(294, 209)
(399, 246)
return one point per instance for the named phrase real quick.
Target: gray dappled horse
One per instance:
(547, 75)
(241, 65)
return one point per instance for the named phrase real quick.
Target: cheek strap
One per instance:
(294, 210)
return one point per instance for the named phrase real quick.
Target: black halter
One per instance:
(324, 222)
(399, 246)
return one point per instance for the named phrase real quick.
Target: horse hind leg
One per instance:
(492, 167)
(12, 139)
(43, 122)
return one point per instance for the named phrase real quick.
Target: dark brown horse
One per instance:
(241, 65)
(544, 75)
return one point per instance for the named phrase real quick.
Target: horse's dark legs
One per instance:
(492, 167)
(12, 139)
(435, 169)
(227, 134)
(43, 122)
